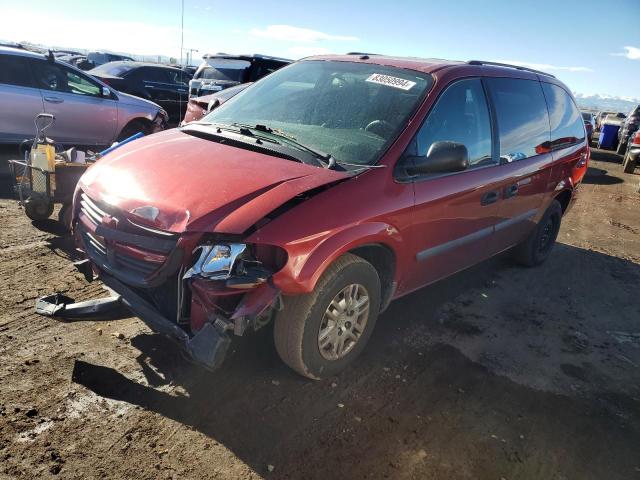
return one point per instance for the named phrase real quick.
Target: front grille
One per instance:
(128, 251)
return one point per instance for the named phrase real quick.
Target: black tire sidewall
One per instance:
(315, 363)
(622, 147)
(130, 129)
(553, 213)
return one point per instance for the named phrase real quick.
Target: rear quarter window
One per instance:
(566, 122)
(523, 120)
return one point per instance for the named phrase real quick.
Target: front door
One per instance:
(454, 214)
(83, 115)
(525, 156)
(166, 87)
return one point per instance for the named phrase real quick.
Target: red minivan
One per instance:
(323, 192)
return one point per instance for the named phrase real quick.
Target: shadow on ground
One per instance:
(409, 411)
(598, 176)
(606, 156)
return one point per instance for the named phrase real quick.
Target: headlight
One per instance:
(216, 262)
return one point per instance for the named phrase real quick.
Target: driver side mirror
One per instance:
(442, 157)
(213, 104)
(106, 92)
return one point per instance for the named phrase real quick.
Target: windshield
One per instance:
(230, 74)
(351, 111)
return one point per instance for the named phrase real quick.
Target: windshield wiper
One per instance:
(325, 158)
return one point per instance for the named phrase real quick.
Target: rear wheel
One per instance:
(537, 247)
(628, 165)
(320, 333)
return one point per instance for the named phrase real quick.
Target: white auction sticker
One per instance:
(390, 81)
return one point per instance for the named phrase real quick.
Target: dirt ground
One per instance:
(496, 373)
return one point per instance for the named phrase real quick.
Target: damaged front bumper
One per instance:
(199, 304)
(207, 346)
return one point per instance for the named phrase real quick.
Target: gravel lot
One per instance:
(496, 373)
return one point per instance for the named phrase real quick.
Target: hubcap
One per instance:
(343, 322)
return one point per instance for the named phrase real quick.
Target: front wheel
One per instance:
(131, 128)
(320, 333)
(538, 245)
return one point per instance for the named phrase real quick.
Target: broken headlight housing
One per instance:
(230, 262)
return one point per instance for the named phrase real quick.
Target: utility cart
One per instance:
(47, 176)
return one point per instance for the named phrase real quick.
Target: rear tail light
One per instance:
(636, 138)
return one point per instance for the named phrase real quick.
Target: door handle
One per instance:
(489, 198)
(53, 99)
(511, 191)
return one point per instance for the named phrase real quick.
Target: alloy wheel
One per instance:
(343, 322)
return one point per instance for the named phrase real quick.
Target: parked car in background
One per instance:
(87, 111)
(161, 84)
(601, 116)
(220, 71)
(61, 53)
(614, 118)
(632, 153)
(79, 61)
(326, 190)
(628, 127)
(198, 107)
(100, 58)
(589, 124)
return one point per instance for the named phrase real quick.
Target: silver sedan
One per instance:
(87, 111)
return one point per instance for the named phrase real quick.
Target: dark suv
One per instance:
(325, 191)
(220, 71)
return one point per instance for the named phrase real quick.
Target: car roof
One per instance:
(135, 64)
(253, 56)
(20, 51)
(431, 65)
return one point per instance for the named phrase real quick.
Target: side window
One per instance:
(523, 121)
(567, 125)
(178, 77)
(51, 76)
(460, 115)
(156, 75)
(14, 71)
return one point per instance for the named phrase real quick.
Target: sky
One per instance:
(593, 46)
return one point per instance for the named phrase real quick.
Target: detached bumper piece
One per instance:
(207, 347)
(59, 305)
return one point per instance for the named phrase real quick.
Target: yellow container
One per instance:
(44, 157)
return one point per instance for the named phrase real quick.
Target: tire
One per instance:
(297, 326)
(628, 165)
(537, 247)
(38, 207)
(132, 128)
(64, 216)
(622, 147)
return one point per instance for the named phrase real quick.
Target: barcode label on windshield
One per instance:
(390, 81)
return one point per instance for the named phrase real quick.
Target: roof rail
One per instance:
(361, 53)
(517, 67)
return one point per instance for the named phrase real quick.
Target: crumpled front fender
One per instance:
(309, 257)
